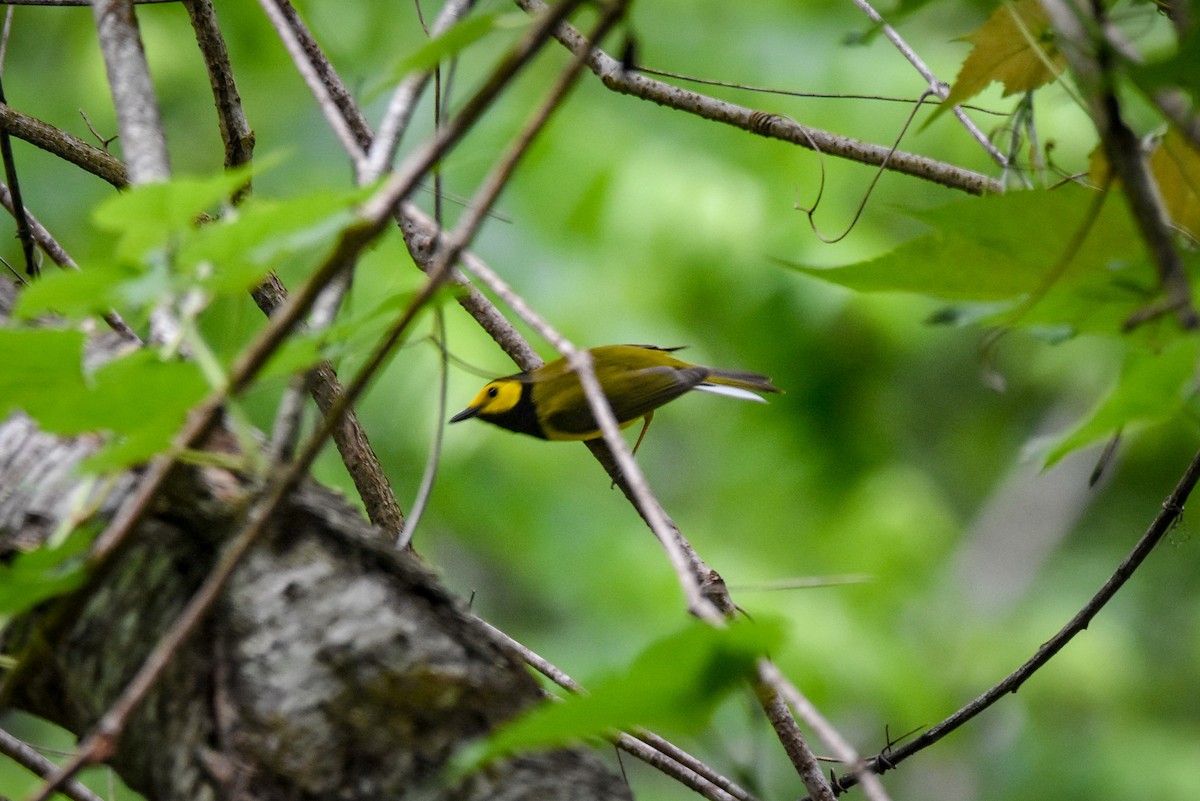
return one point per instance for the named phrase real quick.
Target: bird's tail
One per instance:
(737, 384)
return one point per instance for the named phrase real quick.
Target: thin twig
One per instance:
(908, 101)
(1091, 62)
(838, 745)
(1168, 516)
(27, 756)
(429, 474)
(404, 102)
(51, 247)
(655, 751)
(938, 88)
(614, 76)
(862, 205)
(792, 739)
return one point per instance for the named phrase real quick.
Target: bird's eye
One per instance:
(493, 392)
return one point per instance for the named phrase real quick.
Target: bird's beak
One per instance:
(465, 414)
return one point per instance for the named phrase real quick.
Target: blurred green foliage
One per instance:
(889, 455)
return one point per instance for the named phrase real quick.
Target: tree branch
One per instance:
(939, 88)
(1091, 59)
(25, 755)
(64, 145)
(138, 118)
(1166, 519)
(617, 78)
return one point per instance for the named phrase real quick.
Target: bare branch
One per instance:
(27, 756)
(838, 744)
(404, 102)
(939, 88)
(1168, 516)
(64, 145)
(660, 754)
(138, 118)
(617, 78)
(1091, 61)
(793, 742)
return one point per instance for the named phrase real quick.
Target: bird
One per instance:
(548, 402)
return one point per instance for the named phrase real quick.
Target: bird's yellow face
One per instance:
(496, 398)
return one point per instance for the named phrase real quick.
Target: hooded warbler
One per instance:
(549, 402)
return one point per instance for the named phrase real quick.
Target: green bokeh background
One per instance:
(888, 455)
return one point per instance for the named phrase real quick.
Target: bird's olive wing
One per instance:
(631, 393)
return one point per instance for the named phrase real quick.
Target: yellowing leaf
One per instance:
(1176, 168)
(1015, 46)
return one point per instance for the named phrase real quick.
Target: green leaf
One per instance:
(147, 216)
(43, 377)
(999, 249)
(103, 286)
(38, 575)
(673, 685)
(1152, 387)
(455, 39)
(139, 398)
(143, 400)
(235, 253)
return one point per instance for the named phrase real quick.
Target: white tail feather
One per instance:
(731, 392)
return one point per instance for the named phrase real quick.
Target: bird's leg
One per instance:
(636, 445)
(645, 426)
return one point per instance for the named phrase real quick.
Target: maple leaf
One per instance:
(1016, 46)
(1175, 166)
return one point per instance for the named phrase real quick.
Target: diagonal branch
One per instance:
(1091, 58)
(612, 73)
(404, 101)
(937, 87)
(769, 674)
(655, 751)
(58, 254)
(1168, 516)
(27, 756)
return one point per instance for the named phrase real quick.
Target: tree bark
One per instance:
(335, 666)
